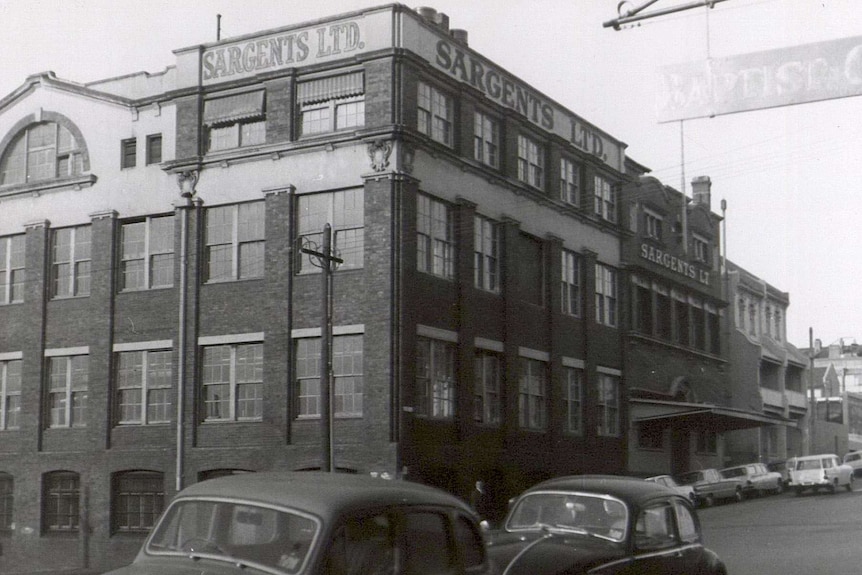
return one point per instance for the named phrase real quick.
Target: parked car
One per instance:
(854, 460)
(601, 524)
(670, 482)
(710, 486)
(758, 479)
(824, 471)
(282, 523)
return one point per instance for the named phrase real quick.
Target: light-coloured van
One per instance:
(825, 471)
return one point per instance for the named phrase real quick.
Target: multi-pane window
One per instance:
(234, 242)
(345, 212)
(70, 261)
(10, 394)
(332, 103)
(129, 153)
(486, 139)
(570, 179)
(532, 394)
(653, 225)
(60, 501)
(12, 272)
(6, 499)
(147, 253)
(531, 162)
(486, 246)
(701, 248)
(348, 382)
(607, 405)
(605, 199)
(232, 381)
(573, 395)
(236, 135)
(235, 121)
(143, 387)
(570, 284)
(435, 378)
(435, 113)
(606, 295)
(68, 383)
(435, 243)
(486, 388)
(154, 148)
(41, 151)
(137, 500)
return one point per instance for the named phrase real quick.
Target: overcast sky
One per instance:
(788, 174)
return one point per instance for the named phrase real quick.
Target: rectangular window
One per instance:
(435, 244)
(701, 248)
(348, 381)
(10, 394)
(664, 327)
(234, 242)
(532, 394)
(607, 405)
(61, 501)
(605, 199)
(653, 225)
(573, 395)
(531, 269)
(531, 162)
(129, 153)
(486, 388)
(570, 182)
(683, 323)
(435, 378)
(235, 121)
(486, 245)
(232, 381)
(68, 382)
(137, 501)
(570, 284)
(643, 310)
(435, 113)
(144, 387)
(332, 103)
(6, 500)
(154, 149)
(70, 262)
(606, 295)
(345, 212)
(147, 253)
(486, 139)
(707, 441)
(12, 272)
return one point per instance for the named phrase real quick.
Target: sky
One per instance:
(793, 215)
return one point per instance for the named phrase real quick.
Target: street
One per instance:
(786, 534)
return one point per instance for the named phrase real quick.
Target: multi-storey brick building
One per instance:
(162, 323)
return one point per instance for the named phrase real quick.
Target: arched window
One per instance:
(60, 501)
(41, 151)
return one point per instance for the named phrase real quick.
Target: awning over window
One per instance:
(331, 88)
(233, 108)
(705, 416)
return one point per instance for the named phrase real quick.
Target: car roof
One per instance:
(629, 489)
(815, 456)
(321, 493)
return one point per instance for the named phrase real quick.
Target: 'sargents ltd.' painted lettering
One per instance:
(275, 52)
(674, 263)
(494, 84)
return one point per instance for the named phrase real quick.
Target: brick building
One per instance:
(162, 323)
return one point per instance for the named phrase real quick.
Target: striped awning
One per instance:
(233, 108)
(331, 88)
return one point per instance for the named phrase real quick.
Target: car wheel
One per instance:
(779, 489)
(831, 488)
(849, 485)
(708, 500)
(798, 491)
(739, 495)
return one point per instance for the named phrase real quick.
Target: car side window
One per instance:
(654, 528)
(470, 541)
(426, 544)
(362, 546)
(686, 523)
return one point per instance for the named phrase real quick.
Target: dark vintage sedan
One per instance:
(309, 522)
(603, 525)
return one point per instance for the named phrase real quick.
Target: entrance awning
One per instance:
(704, 416)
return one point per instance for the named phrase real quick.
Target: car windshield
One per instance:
(274, 539)
(808, 464)
(734, 472)
(593, 514)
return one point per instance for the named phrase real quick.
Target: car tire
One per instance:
(740, 496)
(849, 485)
(831, 488)
(779, 489)
(708, 500)
(798, 491)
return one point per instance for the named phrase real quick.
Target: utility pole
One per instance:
(813, 414)
(327, 262)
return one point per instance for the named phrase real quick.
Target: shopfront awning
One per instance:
(331, 88)
(704, 416)
(233, 108)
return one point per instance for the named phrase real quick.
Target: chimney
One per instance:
(700, 191)
(428, 13)
(442, 21)
(459, 35)
(818, 346)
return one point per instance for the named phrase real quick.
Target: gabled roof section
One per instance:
(50, 79)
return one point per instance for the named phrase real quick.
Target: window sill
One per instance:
(144, 290)
(37, 188)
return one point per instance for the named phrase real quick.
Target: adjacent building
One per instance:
(162, 256)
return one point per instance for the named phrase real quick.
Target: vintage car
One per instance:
(758, 480)
(854, 460)
(601, 524)
(824, 471)
(282, 523)
(670, 482)
(710, 487)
